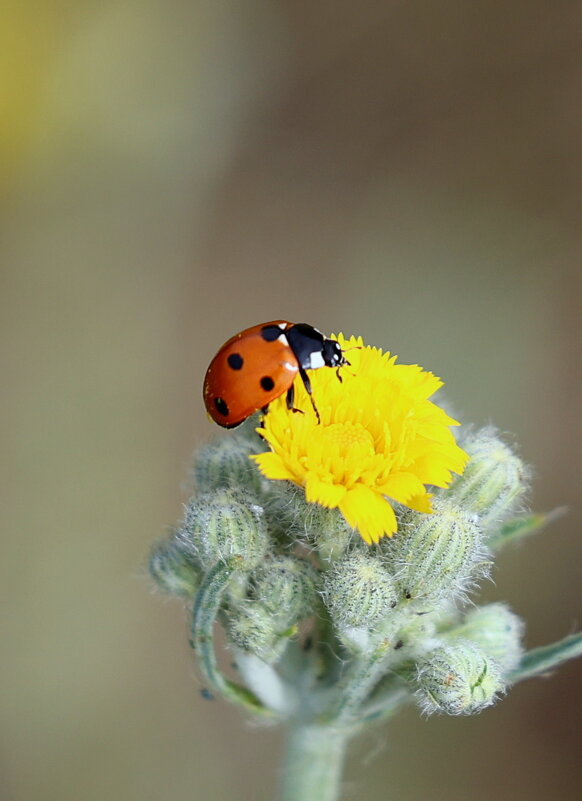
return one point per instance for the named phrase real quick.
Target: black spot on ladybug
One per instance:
(270, 333)
(236, 361)
(221, 407)
(399, 645)
(267, 383)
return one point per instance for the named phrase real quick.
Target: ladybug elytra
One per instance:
(261, 363)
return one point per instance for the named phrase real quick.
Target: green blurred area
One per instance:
(174, 172)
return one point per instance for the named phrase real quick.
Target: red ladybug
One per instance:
(260, 364)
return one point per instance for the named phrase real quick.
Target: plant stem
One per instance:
(313, 763)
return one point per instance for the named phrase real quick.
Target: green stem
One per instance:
(313, 764)
(357, 684)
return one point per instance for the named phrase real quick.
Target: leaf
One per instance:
(521, 527)
(539, 661)
(206, 608)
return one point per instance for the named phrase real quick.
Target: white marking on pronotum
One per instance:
(316, 360)
(282, 338)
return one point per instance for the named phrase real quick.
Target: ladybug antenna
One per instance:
(346, 363)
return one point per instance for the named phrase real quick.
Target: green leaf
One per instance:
(541, 660)
(521, 527)
(386, 701)
(204, 615)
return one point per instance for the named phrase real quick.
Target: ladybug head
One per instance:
(332, 353)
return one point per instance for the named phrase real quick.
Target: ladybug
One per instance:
(260, 364)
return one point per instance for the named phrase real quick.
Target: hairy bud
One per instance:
(497, 630)
(174, 569)
(494, 481)
(457, 679)
(252, 628)
(224, 524)
(225, 462)
(358, 591)
(286, 588)
(326, 529)
(435, 557)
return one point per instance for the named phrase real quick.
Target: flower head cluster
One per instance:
(380, 440)
(277, 562)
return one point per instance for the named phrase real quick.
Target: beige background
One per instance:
(175, 171)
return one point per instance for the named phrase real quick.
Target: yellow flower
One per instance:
(380, 439)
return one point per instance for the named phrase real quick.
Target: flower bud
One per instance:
(494, 481)
(436, 556)
(252, 628)
(497, 630)
(457, 679)
(358, 591)
(286, 587)
(174, 569)
(224, 524)
(329, 531)
(326, 529)
(225, 462)
(416, 634)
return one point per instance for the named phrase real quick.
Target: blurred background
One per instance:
(172, 172)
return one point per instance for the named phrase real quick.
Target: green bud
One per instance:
(224, 524)
(225, 462)
(457, 679)
(326, 529)
(494, 481)
(419, 631)
(358, 591)
(497, 630)
(415, 633)
(286, 587)
(252, 628)
(329, 531)
(435, 557)
(174, 569)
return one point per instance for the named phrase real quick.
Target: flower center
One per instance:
(350, 435)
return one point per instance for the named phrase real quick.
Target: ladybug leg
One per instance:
(337, 372)
(307, 385)
(264, 411)
(290, 400)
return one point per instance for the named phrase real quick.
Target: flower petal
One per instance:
(272, 466)
(369, 512)
(328, 495)
(402, 486)
(420, 503)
